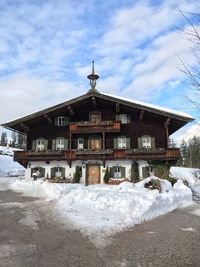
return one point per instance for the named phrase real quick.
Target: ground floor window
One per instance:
(57, 172)
(39, 172)
(117, 172)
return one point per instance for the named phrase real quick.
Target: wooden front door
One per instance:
(93, 174)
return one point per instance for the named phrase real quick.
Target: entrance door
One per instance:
(93, 174)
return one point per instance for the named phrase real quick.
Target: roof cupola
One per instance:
(93, 77)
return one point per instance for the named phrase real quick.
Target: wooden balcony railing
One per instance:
(91, 127)
(23, 157)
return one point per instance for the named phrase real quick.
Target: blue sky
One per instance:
(46, 50)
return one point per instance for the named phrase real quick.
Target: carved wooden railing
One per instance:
(106, 154)
(89, 127)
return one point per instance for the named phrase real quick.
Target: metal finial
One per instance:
(93, 77)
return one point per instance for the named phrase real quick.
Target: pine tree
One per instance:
(4, 139)
(106, 176)
(20, 140)
(14, 139)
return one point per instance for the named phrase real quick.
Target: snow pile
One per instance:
(7, 166)
(191, 175)
(10, 168)
(106, 209)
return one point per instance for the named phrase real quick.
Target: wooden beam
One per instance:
(167, 122)
(94, 102)
(117, 107)
(141, 115)
(70, 110)
(23, 126)
(49, 120)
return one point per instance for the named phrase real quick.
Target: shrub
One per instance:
(106, 176)
(77, 175)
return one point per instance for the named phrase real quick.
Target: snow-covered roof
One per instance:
(152, 106)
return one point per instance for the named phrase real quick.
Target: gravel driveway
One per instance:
(30, 235)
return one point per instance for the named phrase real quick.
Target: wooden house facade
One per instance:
(95, 132)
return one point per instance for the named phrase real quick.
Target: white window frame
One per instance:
(40, 144)
(80, 145)
(121, 142)
(146, 141)
(58, 173)
(60, 143)
(123, 118)
(117, 172)
(61, 121)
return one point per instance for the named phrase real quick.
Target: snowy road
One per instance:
(30, 235)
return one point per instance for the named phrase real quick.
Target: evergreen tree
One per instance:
(20, 140)
(14, 139)
(190, 153)
(106, 176)
(4, 139)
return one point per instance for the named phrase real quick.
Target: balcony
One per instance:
(23, 157)
(91, 127)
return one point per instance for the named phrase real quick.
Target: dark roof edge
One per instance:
(103, 96)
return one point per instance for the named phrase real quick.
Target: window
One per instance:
(60, 144)
(117, 172)
(146, 141)
(95, 116)
(61, 121)
(94, 143)
(121, 142)
(124, 118)
(80, 143)
(41, 144)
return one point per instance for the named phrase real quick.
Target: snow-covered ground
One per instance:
(191, 175)
(7, 166)
(102, 210)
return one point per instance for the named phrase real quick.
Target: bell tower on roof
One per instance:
(93, 77)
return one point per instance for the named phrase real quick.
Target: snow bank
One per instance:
(191, 175)
(106, 209)
(10, 168)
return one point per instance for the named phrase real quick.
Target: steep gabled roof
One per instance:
(120, 100)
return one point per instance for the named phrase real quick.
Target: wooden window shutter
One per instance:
(45, 144)
(32, 171)
(115, 140)
(34, 145)
(66, 121)
(66, 144)
(128, 142)
(54, 144)
(63, 172)
(128, 118)
(139, 142)
(42, 172)
(53, 172)
(56, 121)
(112, 172)
(123, 172)
(152, 142)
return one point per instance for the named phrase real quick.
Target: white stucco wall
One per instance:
(71, 170)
